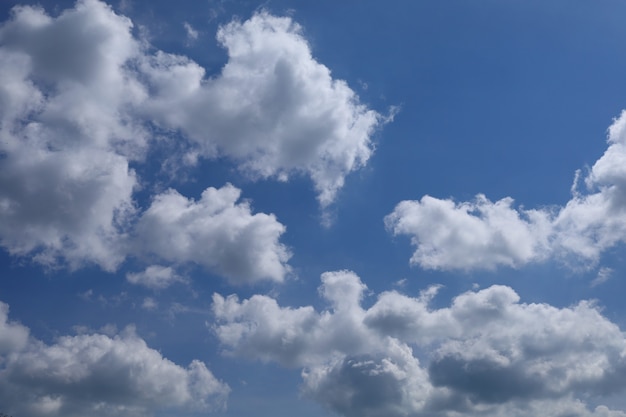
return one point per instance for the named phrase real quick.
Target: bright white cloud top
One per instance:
(273, 109)
(483, 234)
(215, 232)
(164, 167)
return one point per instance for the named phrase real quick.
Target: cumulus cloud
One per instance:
(274, 109)
(216, 232)
(484, 235)
(65, 182)
(81, 99)
(478, 234)
(485, 354)
(97, 375)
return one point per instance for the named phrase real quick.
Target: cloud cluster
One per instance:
(97, 375)
(82, 101)
(484, 235)
(485, 354)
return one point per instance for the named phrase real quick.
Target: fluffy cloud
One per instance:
(490, 354)
(483, 234)
(478, 234)
(65, 182)
(97, 375)
(274, 109)
(295, 337)
(81, 99)
(216, 232)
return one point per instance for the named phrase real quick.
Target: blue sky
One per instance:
(236, 208)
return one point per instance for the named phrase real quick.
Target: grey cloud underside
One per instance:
(82, 99)
(97, 375)
(489, 355)
(482, 234)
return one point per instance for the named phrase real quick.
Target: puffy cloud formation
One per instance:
(485, 354)
(97, 375)
(478, 234)
(483, 234)
(81, 99)
(216, 232)
(65, 183)
(274, 109)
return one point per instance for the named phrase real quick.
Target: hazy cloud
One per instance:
(192, 34)
(155, 277)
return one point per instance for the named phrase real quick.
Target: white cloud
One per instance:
(81, 97)
(274, 109)
(97, 375)
(65, 183)
(216, 232)
(295, 337)
(479, 234)
(490, 354)
(155, 277)
(484, 235)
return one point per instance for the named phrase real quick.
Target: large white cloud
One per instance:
(216, 232)
(274, 109)
(81, 98)
(484, 235)
(97, 375)
(486, 354)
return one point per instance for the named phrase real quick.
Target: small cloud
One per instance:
(604, 274)
(401, 283)
(192, 34)
(149, 303)
(155, 277)
(125, 6)
(86, 296)
(109, 330)
(79, 329)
